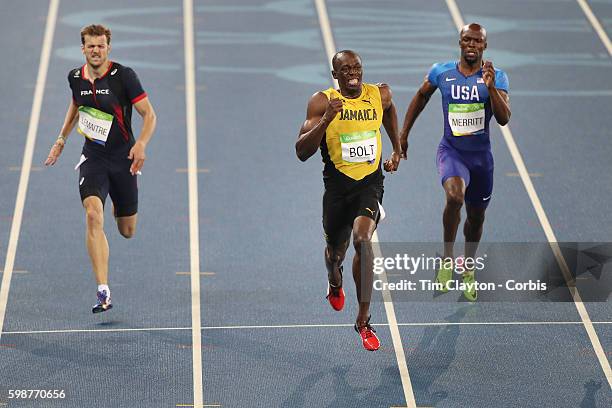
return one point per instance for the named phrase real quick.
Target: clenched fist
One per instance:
(334, 106)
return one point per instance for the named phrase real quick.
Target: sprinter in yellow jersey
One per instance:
(345, 125)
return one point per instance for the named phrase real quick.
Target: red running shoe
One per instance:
(368, 336)
(335, 297)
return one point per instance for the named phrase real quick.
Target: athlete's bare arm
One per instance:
(389, 121)
(319, 115)
(418, 103)
(500, 101)
(70, 120)
(149, 120)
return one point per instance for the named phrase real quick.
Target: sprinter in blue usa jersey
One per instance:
(472, 91)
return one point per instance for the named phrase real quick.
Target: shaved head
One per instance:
(473, 42)
(473, 27)
(337, 56)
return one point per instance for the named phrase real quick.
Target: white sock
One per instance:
(104, 287)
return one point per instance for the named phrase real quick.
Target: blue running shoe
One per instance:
(104, 302)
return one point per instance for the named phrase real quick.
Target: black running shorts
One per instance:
(341, 209)
(101, 175)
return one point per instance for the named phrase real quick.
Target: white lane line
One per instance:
(201, 273)
(192, 174)
(603, 36)
(330, 49)
(298, 326)
(548, 231)
(455, 14)
(326, 32)
(402, 365)
(70, 331)
(41, 79)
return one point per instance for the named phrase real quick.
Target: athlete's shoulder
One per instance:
(371, 88)
(129, 80)
(119, 67)
(320, 97)
(317, 104)
(117, 70)
(123, 71)
(500, 73)
(378, 85)
(382, 87)
(329, 93)
(501, 80)
(75, 73)
(444, 66)
(439, 68)
(379, 90)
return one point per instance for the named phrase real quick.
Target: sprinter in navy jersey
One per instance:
(472, 91)
(103, 93)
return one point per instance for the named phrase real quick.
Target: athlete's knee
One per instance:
(454, 187)
(127, 231)
(127, 226)
(454, 198)
(94, 216)
(361, 240)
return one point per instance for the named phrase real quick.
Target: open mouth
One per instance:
(353, 82)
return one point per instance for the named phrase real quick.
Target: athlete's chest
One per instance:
(456, 88)
(363, 111)
(97, 94)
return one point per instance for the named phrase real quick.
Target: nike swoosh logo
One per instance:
(486, 198)
(449, 79)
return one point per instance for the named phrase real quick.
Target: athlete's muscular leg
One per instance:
(334, 255)
(127, 225)
(472, 229)
(97, 246)
(363, 229)
(454, 187)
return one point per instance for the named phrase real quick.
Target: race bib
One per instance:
(466, 118)
(94, 124)
(359, 147)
